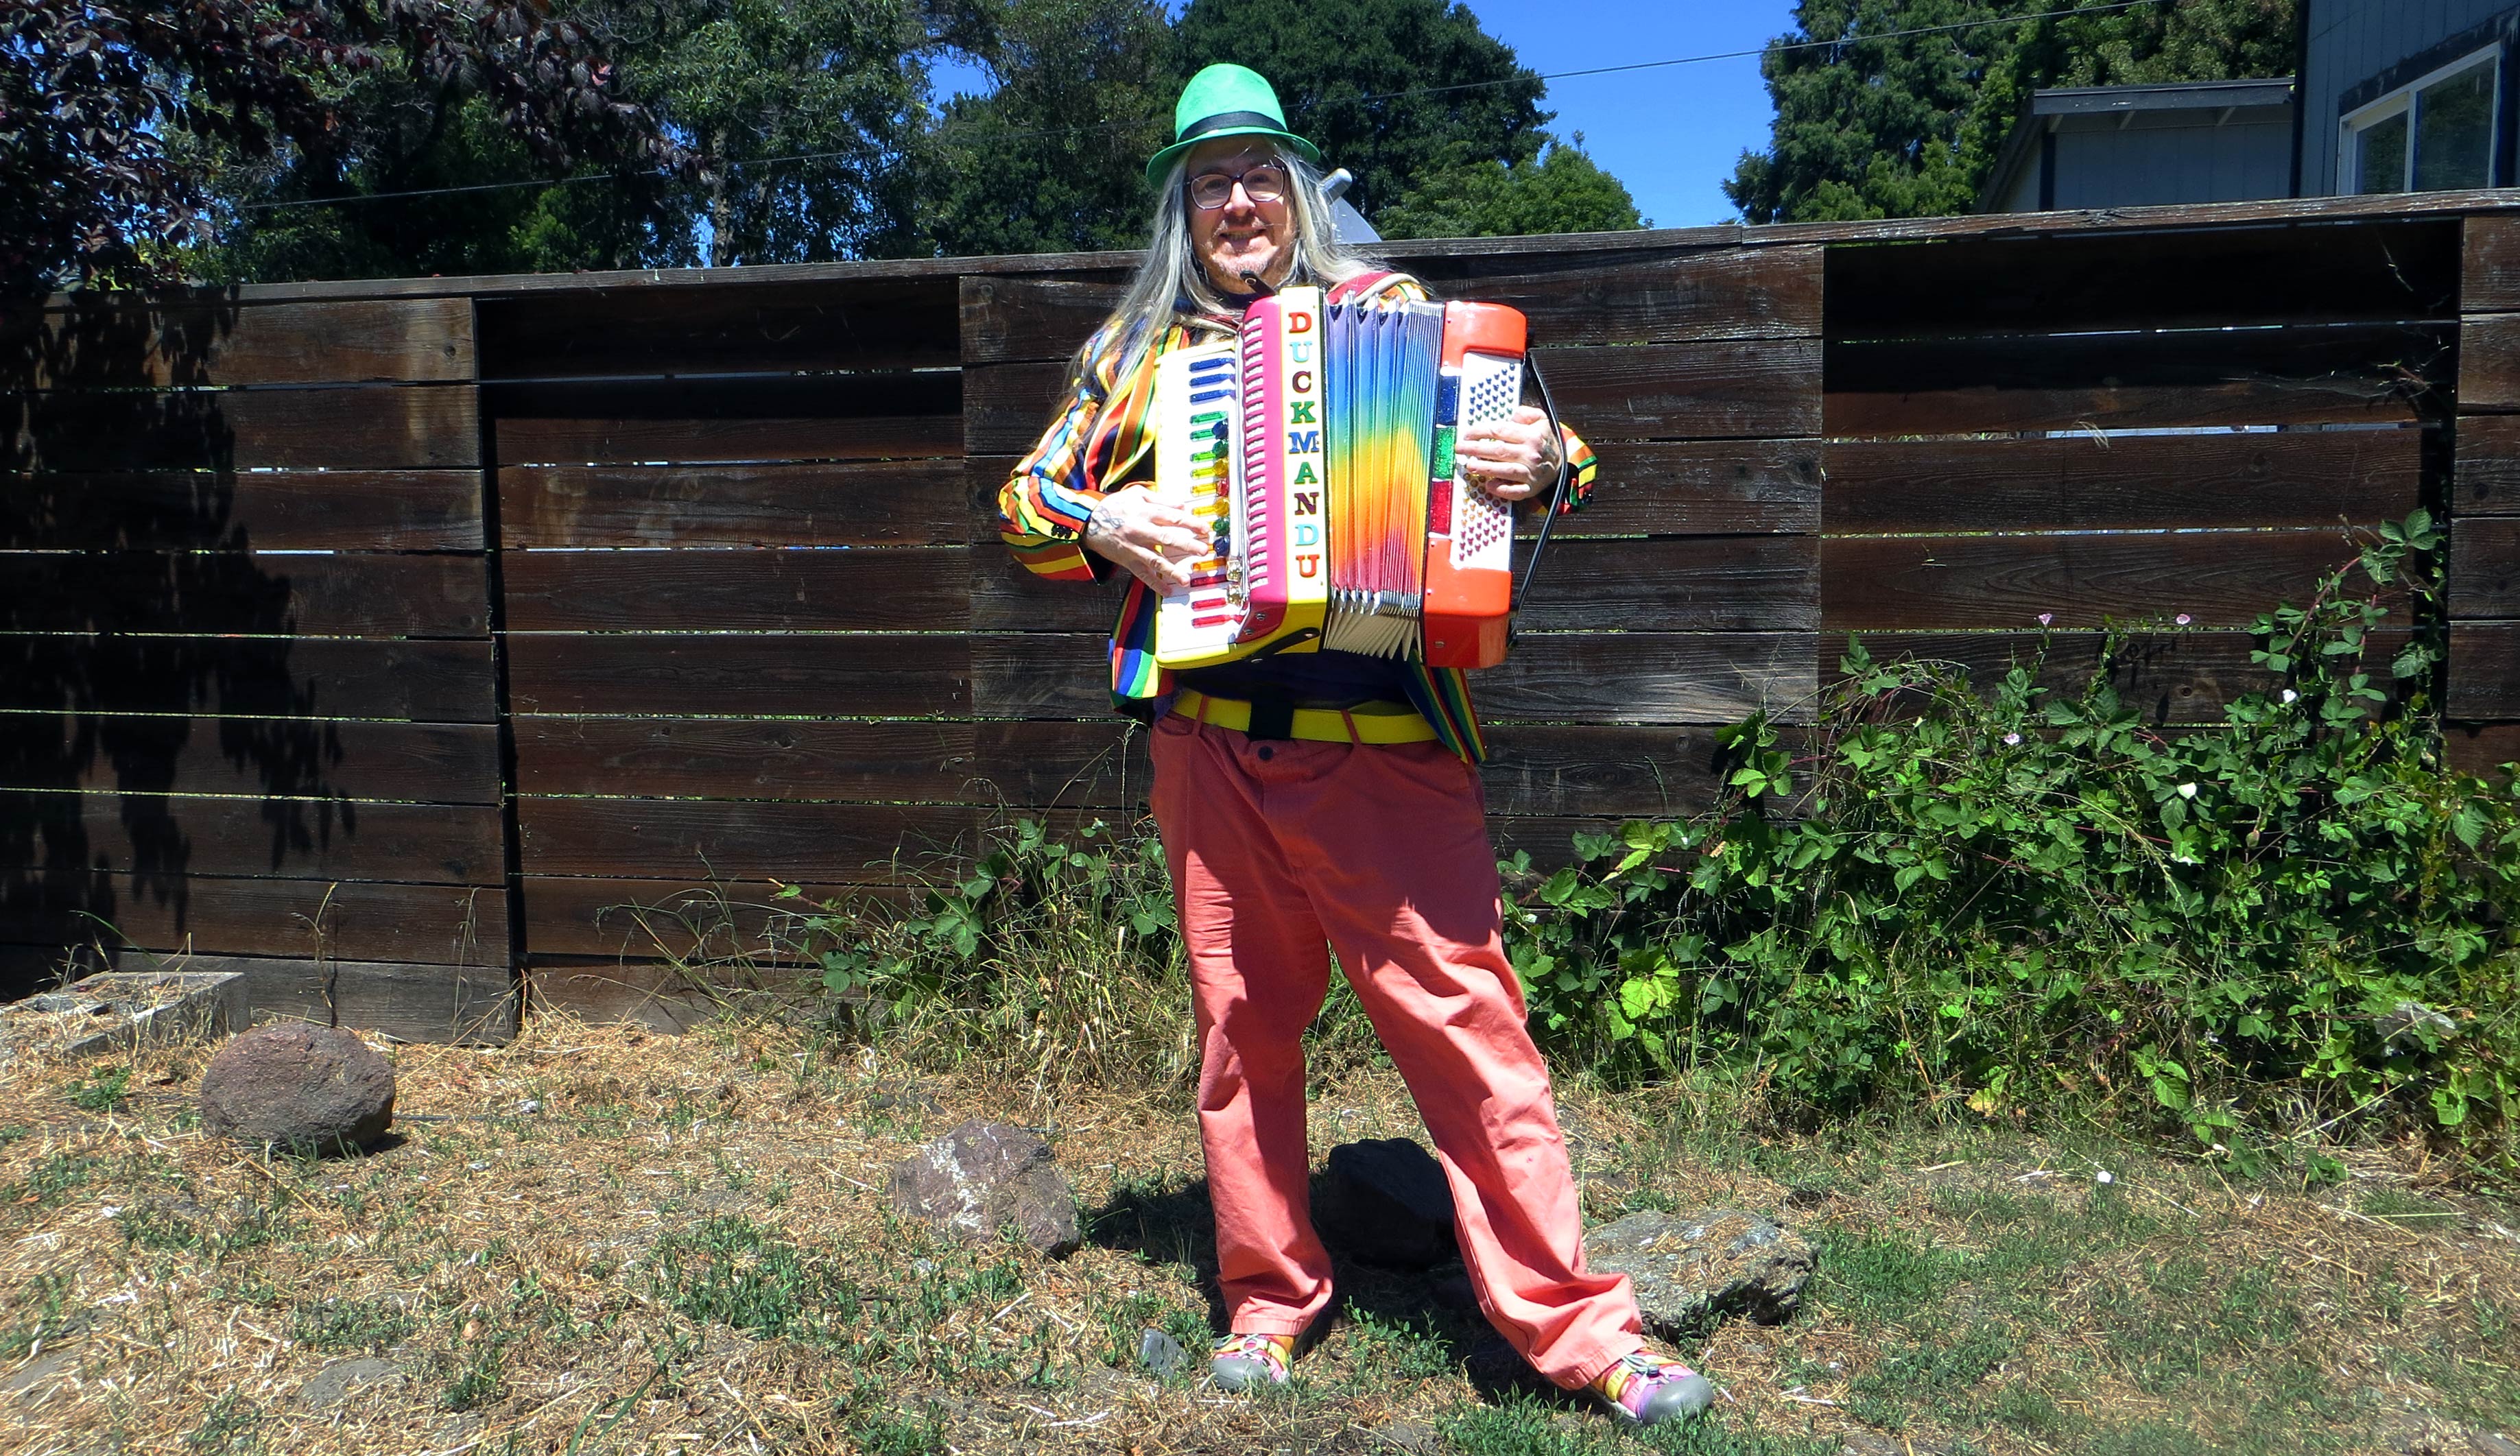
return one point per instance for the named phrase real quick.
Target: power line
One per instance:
(1055, 131)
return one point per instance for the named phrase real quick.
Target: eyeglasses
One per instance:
(1265, 183)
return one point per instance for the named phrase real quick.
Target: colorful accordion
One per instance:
(1319, 448)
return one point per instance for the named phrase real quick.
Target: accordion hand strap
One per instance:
(1557, 499)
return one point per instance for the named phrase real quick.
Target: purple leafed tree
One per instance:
(106, 107)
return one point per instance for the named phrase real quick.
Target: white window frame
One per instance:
(2401, 102)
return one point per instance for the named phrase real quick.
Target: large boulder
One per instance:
(1390, 1205)
(1721, 1261)
(299, 1086)
(982, 1177)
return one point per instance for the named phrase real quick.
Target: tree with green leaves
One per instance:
(1911, 127)
(1053, 158)
(1393, 90)
(806, 123)
(1564, 190)
(115, 118)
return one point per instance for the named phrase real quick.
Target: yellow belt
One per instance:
(1366, 723)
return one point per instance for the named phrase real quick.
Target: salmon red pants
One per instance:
(1282, 850)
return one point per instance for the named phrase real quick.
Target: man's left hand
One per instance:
(1510, 458)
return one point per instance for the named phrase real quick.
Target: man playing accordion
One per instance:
(1322, 799)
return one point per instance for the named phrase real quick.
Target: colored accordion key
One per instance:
(1318, 445)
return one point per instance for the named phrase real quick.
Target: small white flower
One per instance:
(2012, 739)
(2187, 791)
(2105, 1176)
(2047, 617)
(2291, 697)
(2183, 619)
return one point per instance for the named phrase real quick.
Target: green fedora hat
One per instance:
(1226, 101)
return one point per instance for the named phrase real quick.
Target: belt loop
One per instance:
(1354, 737)
(1200, 717)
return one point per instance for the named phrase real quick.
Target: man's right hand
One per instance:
(1154, 540)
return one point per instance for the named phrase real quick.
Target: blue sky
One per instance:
(1672, 133)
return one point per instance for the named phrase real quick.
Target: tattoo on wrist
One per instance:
(1104, 520)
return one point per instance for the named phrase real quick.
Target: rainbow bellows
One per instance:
(1345, 522)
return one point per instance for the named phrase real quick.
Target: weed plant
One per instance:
(2291, 920)
(1052, 962)
(1944, 895)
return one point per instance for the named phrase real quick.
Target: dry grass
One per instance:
(597, 1239)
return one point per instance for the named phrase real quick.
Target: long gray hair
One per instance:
(1172, 286)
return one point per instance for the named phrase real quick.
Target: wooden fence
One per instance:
(397, 640)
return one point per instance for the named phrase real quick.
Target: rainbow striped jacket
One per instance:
(1100, 443)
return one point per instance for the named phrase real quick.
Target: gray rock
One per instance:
(342, 1378)
(1721, 1261)
(1160, 1353)
(31, 1381)
(1391, 1206)
(300, 1086)
(982, 1177)
(1416, 1438)
(2488, 1444)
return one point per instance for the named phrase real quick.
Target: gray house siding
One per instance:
(2363, 49)
(2112, 166)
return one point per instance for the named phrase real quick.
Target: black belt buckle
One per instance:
(1273, 718)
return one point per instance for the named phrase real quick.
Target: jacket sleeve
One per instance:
(1043, 506)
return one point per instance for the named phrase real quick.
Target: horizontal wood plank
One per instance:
(1725, 389)
(1675, 584)
(1648, 678)
(692, 673)
(2169, 677)
(2490, 280)
(1989, 410)
(227, 916)
(1732, 488)
(1011, 318)
(2238, 277)
(252, 511)
(2483, 671)
(735, 327)
(910, 589)
(1720, 389)
(2486, 478)
(742, 758)
(2087, 483)
(434, 682)
(722, 924)
(1040, 675)
(351, 594)
(667, 838)
(2218, 579)
(1551, 676)
(878, 415)
(864, 503)
(110, 340)
(284, 756)
(363, 427)
(1662, 584)
(158, 839)
(1648, 296)
(471, 1005)
(1007, 407)
(2484, 567)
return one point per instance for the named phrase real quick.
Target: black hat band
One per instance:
(1225, 119)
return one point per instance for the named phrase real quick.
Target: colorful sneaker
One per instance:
(1245, 1362)
(1649, 1389)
